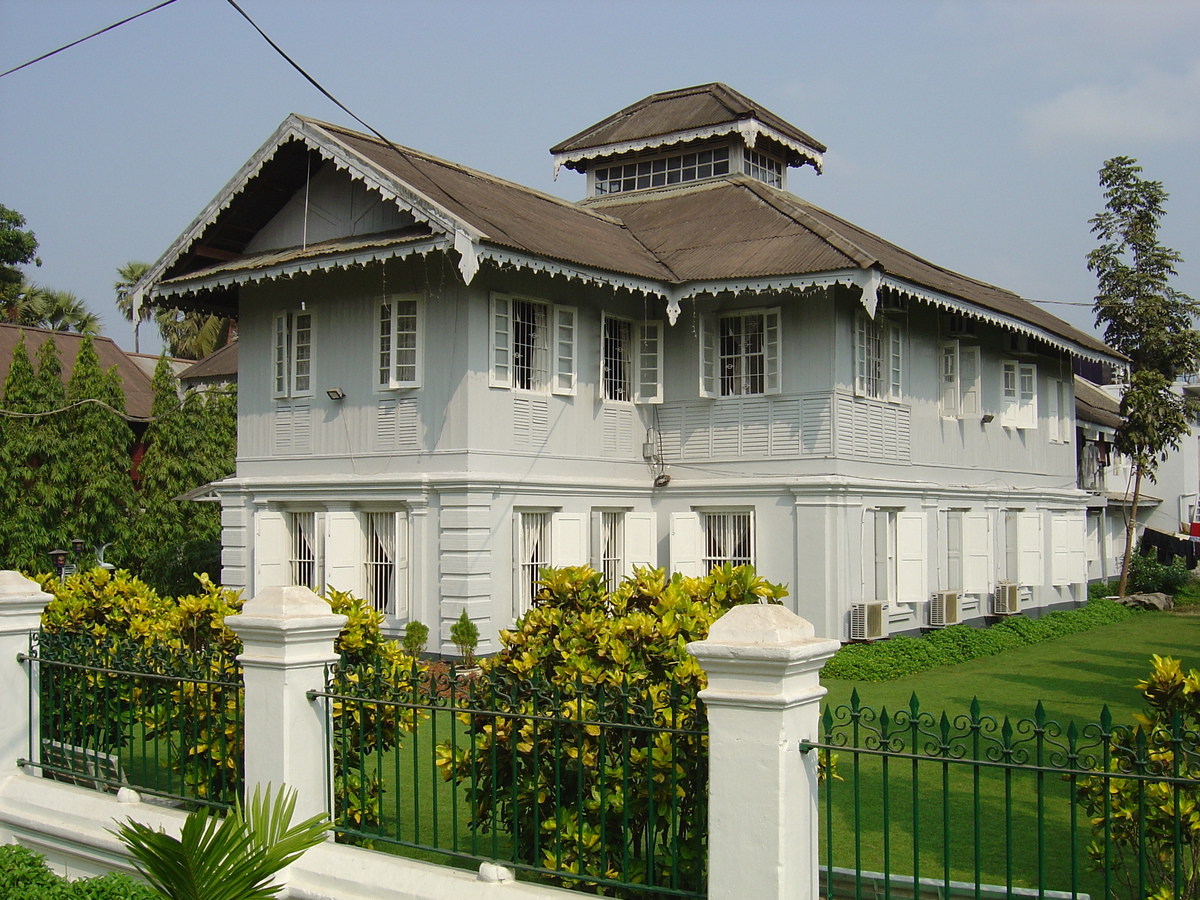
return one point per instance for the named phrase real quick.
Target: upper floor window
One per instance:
(1019, 394)
(532, 345)
(293, 354)
(739, 354)
(648, 173)
(878, 358)
(1059, 418)
(400, 343)
(960, 379)
(630, 360)
(766, 169)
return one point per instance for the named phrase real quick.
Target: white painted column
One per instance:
(763, 699)
(21, 605)
(288, 636)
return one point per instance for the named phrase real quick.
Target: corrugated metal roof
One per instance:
(139, 394)
(677, 111)
(222, 363)
(1095, 405)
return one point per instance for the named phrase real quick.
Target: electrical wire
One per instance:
(88, 38)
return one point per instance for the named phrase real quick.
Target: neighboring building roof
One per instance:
(148, 362)
(219, 365)
(139, 395)
(1093, 404)
(731, 233)
(707, 110)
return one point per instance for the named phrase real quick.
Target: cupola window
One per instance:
(665, 170)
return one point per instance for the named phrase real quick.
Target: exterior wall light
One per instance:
(336, 394)
(988, 417)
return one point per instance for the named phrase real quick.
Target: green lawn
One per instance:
(989, 828)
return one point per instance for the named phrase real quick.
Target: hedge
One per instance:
(24, 875)
(903, 655)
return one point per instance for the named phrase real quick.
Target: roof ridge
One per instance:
(475, 173)
(797, 209)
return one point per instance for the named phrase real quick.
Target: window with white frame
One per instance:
(533, 554)
(293, 354)
(728, 538)
(385, 562)
(307, 549)
(901, 558)
(665, 170)
(1023, 553)
(878, 358)
(399, 343)
(1059, 421)
(630, 360)
(612, 548)
(532, 345)
(1019, 394)
(960, 388)
(739, 354)
(767, 169)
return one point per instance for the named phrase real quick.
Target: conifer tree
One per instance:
(101, 497)
(23, 526)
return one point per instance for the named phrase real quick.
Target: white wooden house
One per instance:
(448, 380)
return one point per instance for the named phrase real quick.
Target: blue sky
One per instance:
(967, 132)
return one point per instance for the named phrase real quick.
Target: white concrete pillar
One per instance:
(288, 636)
(21, 605)
(763, 699)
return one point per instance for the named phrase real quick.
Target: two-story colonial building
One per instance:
(448, 381)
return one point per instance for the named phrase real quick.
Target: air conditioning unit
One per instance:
(943, 609)
(1005, 601)
(866, 621)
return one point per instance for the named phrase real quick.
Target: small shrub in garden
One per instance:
(465, 635)
(1150, 831)
(415, 636)
(24, 875)
(619, 654)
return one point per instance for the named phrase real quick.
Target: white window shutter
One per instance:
(1052, 424)
(912, 582)
(708, 356)
(1010, 396)
(564, 350)
(771, 351)
(501, 342)
(686, 544)
(949, 378)
(895, 362)
(648, 352)
(281, 364)
(641, 540)
(977, 553)
(1027, 417)
(403, 589)
(344, 551)
(272, 547)
(1029, 548)
(1066, 411)
(1068, 532)
(968, 382)
(861, 338)
(568, 539)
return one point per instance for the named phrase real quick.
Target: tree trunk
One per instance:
(1130, 527)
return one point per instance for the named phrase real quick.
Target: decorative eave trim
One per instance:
(514, 259)
(846, 277)
(750, 129)
(198, 284)
(964, 307)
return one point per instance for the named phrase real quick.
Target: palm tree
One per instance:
(224, 859)
(127, 276)
(37, 307)
(192, 334)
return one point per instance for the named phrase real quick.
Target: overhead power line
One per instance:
(88, 38)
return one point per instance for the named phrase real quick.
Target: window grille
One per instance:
(530, 345)
(380, 561)
(534, 555)
(306, 550)
(612, 548)
(728, 538)
(616, 363)
(650, 173)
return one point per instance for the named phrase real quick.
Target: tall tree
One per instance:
(194, 335)
(17, 247)
(128, 276)
(102, 500)
(1147, 319)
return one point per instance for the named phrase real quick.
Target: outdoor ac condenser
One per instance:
(943, 609)
(866, 621)
(1005, 600)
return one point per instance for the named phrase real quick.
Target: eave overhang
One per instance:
(750, 129)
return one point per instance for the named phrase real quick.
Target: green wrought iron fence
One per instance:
(114, 714)
(971, 805)
(571, 783)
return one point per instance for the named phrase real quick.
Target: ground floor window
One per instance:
(612, 548)
(728, 538)
(385, 562)
(533, 554)
(307, 550)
